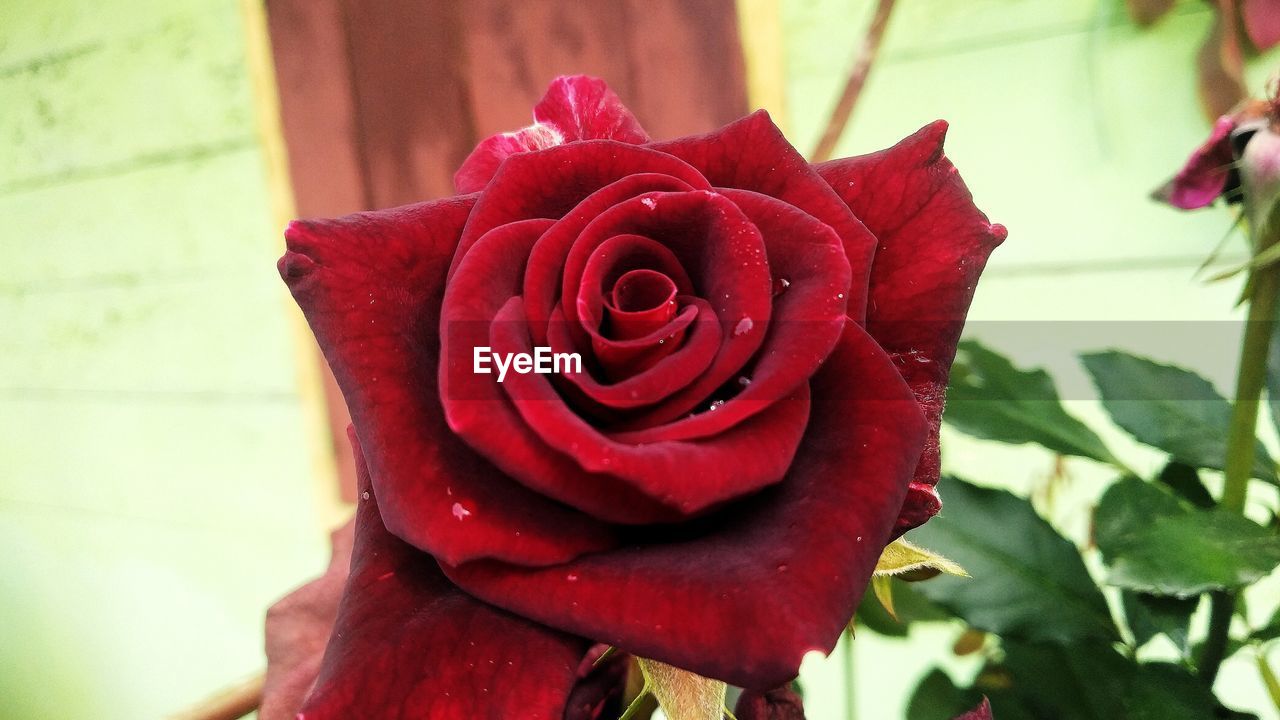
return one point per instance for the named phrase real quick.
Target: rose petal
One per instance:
(1204, 176)
(752, 154)
(1262, 23)
(666, 376)
(370, 285)
(778, 704)
(806, 321)
(982, 712)
(543, 278)
(478, 411)
(771, 579)
(577, 107)
(298, 627)
(601, 686)
(933, 245)
(407, 643)
(718, 246)
(690, 476)
(549, 183)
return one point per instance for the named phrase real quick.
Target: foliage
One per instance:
(1052, 643)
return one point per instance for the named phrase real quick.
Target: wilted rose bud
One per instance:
(1239, 162)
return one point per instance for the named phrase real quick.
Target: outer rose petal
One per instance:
(577, 107)
(298, 626)
(777, 704)
(933, 244)
(371, 286)
(408, 644)
(789, 564)
(1262, 23)
(982, 712)
(752, 154)
(1204, 176)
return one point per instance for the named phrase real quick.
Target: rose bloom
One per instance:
(766, 346)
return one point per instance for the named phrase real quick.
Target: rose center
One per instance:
(641, 301)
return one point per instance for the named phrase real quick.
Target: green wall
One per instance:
(156, 486)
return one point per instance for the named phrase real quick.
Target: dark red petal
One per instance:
(690, 476)
(807, 320)
(1204, 176)
(584, 108)
(479, 412)
(933, 244)
(408, 644)
(298, 627)
(666, 376)
(982, 712)
(371, 285)
(727, 261)
(601, 686)
(752, 154)
(778, 704)
(576, 107)
(479, 167)
(549, 183)
(544, 275)
(745, 595)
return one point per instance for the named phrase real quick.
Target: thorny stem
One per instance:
(1242, 431)
(865, 58)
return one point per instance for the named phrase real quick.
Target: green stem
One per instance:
(1242, 434)
(1269, 678)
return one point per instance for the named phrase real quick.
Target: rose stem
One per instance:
(1242, 431)
(863, 61)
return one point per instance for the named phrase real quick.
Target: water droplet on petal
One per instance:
(743, 327)
(782, 567)
(571, 577)
(649, 203)
(716, 405)
(780, 286)
(460, 512)
(744, 381)
(364, 495)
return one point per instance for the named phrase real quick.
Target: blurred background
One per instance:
(168, 464)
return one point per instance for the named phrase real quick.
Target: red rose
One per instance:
(765, 347)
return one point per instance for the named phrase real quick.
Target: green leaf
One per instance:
(991, 399)
(1267, 632)
(1028, 581)
(1185, 481)
(1091, 681)
(911, 606)
(938, 698)
(1169, 408)
(1158, 544)
(1151, 615)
